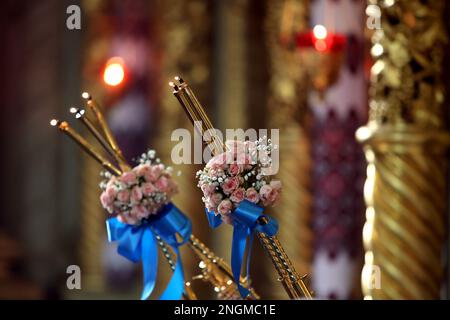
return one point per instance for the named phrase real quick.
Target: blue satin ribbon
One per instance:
(245, 218)
(138, 242)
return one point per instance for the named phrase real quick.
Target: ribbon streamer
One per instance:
(138, 242)
(245, 223)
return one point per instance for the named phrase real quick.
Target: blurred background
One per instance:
(365, 219)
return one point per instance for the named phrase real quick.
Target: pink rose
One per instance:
(153, 173)
(111, 182)
(273, 196)
(147, 188)
(225, 207)
(276, 184)
(215, 199)
(252, 195)
(230, 185)
(208, 189)
(123, 195)
(136, 195)
(143, 170)
(238, 195)
(128, 178)
(212, 162)
(111, 191)
(106, 200)
(220, 161)
(215, 172)
(244, 160)
(157, 170)
(265, 191)
(234, 169)
(162, 184)
(139, 212)
(172, 188)
(268, 195)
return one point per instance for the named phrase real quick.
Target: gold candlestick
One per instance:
(193, 114)
(196, 113)
(109, 136)
(293, 284)
(65, 128)
(80, 114)
(192, 98)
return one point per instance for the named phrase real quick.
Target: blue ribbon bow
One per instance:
(245, 223)
(138, 242)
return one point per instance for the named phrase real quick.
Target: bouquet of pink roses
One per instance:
(140, 192)
(239, 174)
(237, 184)
(139, 199)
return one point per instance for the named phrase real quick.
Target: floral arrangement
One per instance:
(239, 174)
(140, 192)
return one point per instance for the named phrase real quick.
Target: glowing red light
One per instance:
(320, 45)
(114, 72)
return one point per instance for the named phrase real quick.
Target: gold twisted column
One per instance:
(286, 104)
(406, 203)
(405, 145)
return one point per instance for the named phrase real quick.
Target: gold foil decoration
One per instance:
(405, 146)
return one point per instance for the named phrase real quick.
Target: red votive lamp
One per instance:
(321, 40)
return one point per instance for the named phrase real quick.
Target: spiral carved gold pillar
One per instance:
(405, 144)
